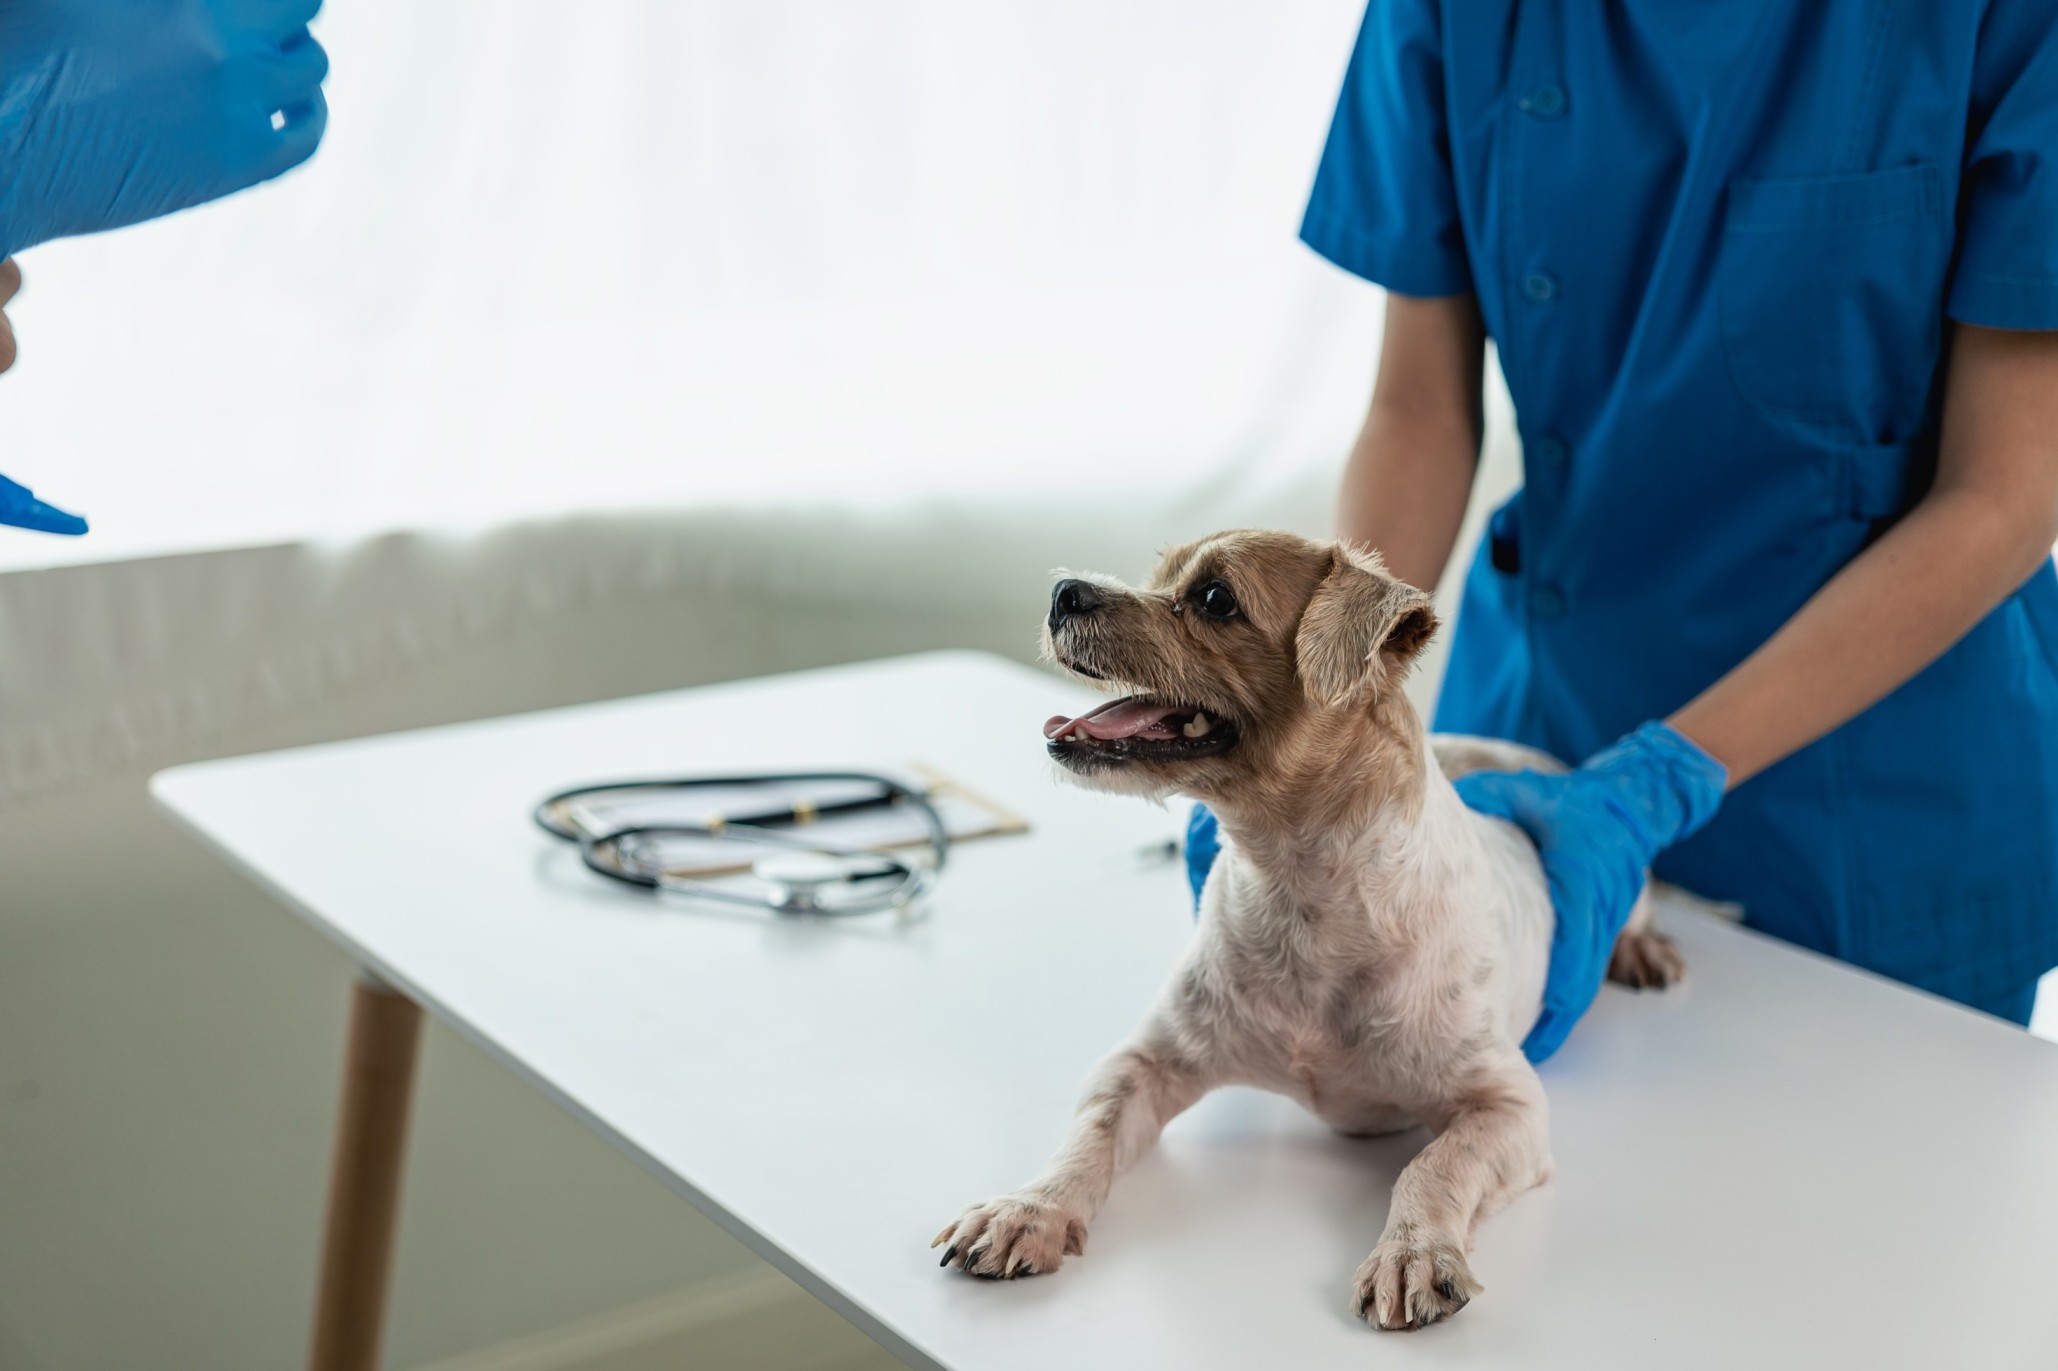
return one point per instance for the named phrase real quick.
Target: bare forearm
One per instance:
(1981, 532)
(1411, 470)
(1404, 493)
(10, 282)
(1889, 614)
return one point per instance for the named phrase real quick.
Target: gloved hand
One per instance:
(117, 111)
(1203, 845)
(1597, 830)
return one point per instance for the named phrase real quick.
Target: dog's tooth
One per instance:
(1197, 726)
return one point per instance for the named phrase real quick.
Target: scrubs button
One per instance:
(1545, 102)
(1547, 602)
(1540, 287)
(1551, 454)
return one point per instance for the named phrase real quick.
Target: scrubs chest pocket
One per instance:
(1831, 302)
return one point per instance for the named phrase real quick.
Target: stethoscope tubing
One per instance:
(602, 854)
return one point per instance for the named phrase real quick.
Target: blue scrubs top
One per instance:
(1716, 246)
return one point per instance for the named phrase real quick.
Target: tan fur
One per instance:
(1357, 617)
(1367, 945)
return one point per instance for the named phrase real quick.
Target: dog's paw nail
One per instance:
(1014, 1236)
(949, 1255)
(1411, 1284)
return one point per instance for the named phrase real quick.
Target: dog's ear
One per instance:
(1361, 629)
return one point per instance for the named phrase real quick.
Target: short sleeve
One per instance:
(2007, 270)
(1385, 202)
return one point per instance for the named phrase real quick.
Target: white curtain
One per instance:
(637, 254)
(663, 298)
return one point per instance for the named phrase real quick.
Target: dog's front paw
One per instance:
(1015, 1235)
(1410, 1283)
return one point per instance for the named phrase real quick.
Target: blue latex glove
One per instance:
(1598, 829)
(20, 507)
(1203, 845)
(117, 111)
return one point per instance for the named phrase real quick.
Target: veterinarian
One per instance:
(1774, 288)
(113, 112)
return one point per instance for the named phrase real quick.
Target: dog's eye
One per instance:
(1216, 600)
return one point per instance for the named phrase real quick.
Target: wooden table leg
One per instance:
(364, 1179)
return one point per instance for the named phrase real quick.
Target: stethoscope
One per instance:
(809, 876)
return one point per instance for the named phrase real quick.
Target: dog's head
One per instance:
(1245, 651)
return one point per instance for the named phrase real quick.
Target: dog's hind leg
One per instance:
(1129, 1100)
(1491, 1148)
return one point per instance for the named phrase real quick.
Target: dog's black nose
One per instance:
(1069, 598)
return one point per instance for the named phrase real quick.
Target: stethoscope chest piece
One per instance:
(795, 882)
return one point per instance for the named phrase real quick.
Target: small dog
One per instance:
(1367, 945)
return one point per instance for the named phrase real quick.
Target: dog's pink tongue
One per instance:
(1124, 718)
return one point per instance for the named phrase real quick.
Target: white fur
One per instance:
(1367, 946)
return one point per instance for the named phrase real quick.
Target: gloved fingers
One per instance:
(1497, 794)
(266, 16)
(292, 74)
(10, 279)
(7, 352)
(1203, 845)
(20, 507)
(298, 137)
(1548, 1034)
(42, 518)
(1580, 940)
(1602, 886)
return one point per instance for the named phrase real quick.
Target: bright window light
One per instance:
(648, 254)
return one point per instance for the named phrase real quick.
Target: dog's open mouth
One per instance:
(1137, 729)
